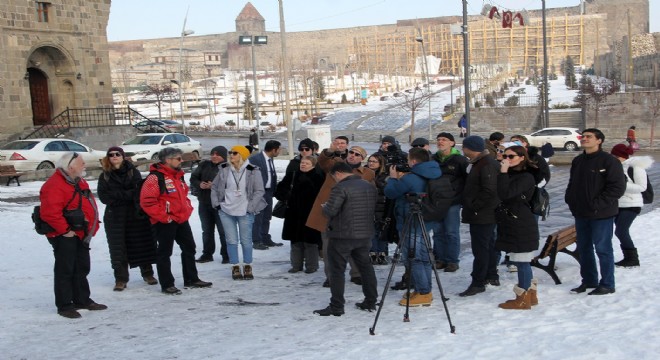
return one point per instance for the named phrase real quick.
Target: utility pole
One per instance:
(285, 65)
(466, 67)
(546, 112)
(630, 57)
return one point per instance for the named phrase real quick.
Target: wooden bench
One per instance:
(10, 172)
(557, 242)
(191, 158)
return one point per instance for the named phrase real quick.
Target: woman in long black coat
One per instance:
(300, 189)
(517, 229)
(129, 235)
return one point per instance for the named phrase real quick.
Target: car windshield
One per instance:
(169, 122)
(20, 145)
(144, 140)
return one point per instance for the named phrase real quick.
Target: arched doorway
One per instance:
(41, 110)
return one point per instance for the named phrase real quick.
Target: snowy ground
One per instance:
(271, 316)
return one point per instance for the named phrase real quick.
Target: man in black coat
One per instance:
(594, 187)
(201, 181)
(350, 209)
(261, 239)
(479, 203)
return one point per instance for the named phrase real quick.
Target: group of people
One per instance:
(342, 211)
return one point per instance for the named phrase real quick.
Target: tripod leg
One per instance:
(427, 243)
(395, 260)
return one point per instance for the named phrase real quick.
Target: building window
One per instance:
(42, 11)
(164, 74)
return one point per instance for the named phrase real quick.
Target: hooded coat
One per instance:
(632, 197)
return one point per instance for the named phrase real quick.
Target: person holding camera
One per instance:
(68, 206)
(412, 180)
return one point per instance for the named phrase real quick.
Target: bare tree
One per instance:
(412, 102)
(654, 108)
(160, 92)
(595, 93)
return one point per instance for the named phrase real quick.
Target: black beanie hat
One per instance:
(446, 135)
(220, 150)
(117, 149)
(306, 143)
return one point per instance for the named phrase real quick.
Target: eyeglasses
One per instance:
(233, 153)
(305, 149)
(510, 157)
(114, 154)
(500, 151)
(373, 161)
(176, 158)
(75, 155)
(355, 153)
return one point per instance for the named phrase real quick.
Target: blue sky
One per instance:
(147, 19)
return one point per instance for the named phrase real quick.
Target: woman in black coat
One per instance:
(517, 229)
(384, 210)
(299, 189)
(129, 235)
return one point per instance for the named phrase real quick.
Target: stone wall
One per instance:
(621, 110)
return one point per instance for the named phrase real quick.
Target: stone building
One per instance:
(54, 56)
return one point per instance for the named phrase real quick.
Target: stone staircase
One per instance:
(571, 118)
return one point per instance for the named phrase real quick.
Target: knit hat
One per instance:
(306, 143)
(446, 135)
(389, 139)
(474, 143)
(220, 150)
(622, 151)
(419, 142)
(242, 150)
(117, 149)
(360, 150)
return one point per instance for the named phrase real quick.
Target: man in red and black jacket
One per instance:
(169, 209)
(67, 191)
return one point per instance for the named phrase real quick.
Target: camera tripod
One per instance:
(413, 224)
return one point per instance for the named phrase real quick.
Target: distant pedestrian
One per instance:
(462, 124)
(253, 140)
(632, 139)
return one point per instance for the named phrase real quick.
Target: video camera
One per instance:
(415, 198)
(395, 157)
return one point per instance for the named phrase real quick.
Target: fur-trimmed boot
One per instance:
(533, 295)
(630, 258)
(521, 302)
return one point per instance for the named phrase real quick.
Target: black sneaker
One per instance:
(326, 283)
(198, 284)
(451, 267)
(92, 306)
(70, 314)
(205, 259)
(259, 246)
(366, 306)
(356, 280)
(582, 288)
(271, 243)
(172, 290)
(329, 311)
(493, 282)
(472, 290)
(225, 260)
(602, 291)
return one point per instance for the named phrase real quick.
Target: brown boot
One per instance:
(532, 293)
(119, 286)
(236, 272)
(521, 302)
(247, 272)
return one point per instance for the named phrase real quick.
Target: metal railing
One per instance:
(93, 117)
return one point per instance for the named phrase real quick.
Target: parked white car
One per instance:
(147, 146)
(37, 154)
(566, 138)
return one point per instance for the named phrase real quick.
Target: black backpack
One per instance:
(540, 202)
(647, 195)
(439, 195)
(161, 185)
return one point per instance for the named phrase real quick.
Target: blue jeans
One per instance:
(420, 264)
(524, 274)
(623, 221)
(377, 245)
(447, 237)
(234, 225)
(595, 234)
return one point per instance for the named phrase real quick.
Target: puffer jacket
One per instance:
(454, 166)
(55, 193)
(174, 204)
(480, 193)
(351, 209)
(254, 188)
(413, 182)
(595, 185)
(634, 187)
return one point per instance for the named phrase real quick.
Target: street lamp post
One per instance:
(466, 65)
(184, 33)
(451, 93)
(254, 40)
(420, 40)
(546, 112)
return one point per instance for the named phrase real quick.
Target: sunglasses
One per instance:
(510, 157)
(176, 158)
(418, 146)
(114, 154)
(75, 155)
(374, 161)
(500, 151)
(355, 153)
(233, 153)
(305, 149)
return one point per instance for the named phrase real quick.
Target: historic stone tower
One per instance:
(250, 21)
(54, 55)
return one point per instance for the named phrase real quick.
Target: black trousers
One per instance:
(339, 251)
(484, 266)
(166, 235)
(72, 265)
(261, 226)
(210, 220)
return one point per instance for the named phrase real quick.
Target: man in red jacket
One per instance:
(67, 192)
(169, 209)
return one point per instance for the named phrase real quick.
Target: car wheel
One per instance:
(570, 146)
(154, 157)
(46, 165)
